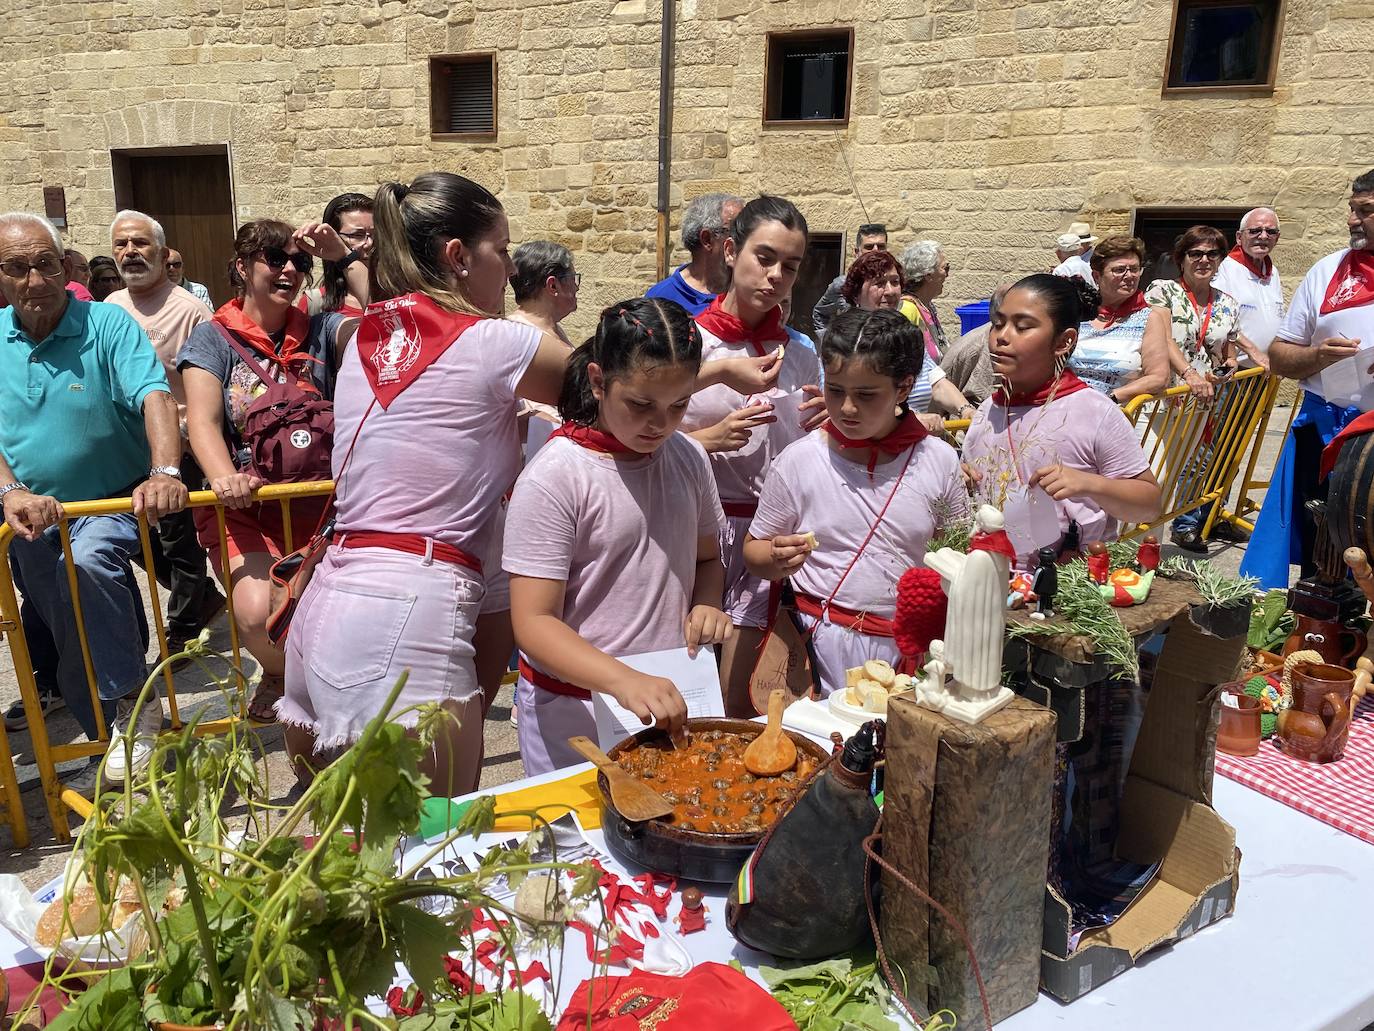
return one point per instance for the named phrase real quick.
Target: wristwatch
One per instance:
(16, 485)
(349, 259)
(165, 470)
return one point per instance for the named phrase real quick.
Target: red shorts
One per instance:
(257, 529)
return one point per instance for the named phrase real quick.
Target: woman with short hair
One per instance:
(926, 269)
(1121, 353)
(545, 285)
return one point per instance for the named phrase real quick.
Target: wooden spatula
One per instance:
(772, 752)
(632, 798)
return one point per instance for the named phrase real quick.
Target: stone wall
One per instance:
(986, 124)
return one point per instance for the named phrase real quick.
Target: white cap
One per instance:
(1067, 242)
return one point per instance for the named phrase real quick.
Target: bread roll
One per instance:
(879, 671)
(82, 917)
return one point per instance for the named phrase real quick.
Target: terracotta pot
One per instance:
(1239, 730)
(1317, 724)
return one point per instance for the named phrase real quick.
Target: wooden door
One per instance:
(189, 194)
(820, 266)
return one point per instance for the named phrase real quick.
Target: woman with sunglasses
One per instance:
(349, 215)
(1203, 324)
(271, 263)
(105, 277)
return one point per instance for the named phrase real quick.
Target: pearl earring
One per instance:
(463, 272)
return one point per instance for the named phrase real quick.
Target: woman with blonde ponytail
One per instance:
(425, 448)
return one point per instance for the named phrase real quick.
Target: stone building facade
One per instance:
(986, 124)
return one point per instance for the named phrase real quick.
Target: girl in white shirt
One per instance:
(873, 487)
(612, 535)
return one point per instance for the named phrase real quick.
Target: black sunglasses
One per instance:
(277, 259)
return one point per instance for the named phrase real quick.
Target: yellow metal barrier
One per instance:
(46, 755)
(1245, 506)
(1196, 448)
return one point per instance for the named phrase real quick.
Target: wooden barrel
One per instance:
(1350, 497)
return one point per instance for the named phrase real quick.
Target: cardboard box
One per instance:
(1165, 811)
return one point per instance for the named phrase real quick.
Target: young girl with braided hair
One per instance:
(612, 535)
(846, 511)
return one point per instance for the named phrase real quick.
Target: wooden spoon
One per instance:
(772, 752)
(633, 799)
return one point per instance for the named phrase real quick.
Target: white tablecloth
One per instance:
(1296, 955)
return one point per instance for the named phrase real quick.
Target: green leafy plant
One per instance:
(280, 931)
(1081, 610)
(952, 529)
(1270, 621)
(1215, 587)
(833, 995)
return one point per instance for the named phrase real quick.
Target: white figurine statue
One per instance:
(976, 625)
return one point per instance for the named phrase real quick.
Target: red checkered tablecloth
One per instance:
(1339, 793)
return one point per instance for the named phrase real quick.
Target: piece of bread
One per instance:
(853, 675)
(879, 671)
(811, 541)
(83, 917)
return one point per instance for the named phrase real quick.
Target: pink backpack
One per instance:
(288, 429)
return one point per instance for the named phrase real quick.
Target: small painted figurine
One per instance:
(1070, 545)
(1046, 582)
(1148, 556)
(692, 916)
(1099, 562)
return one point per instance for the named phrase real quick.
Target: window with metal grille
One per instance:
(462, 94)
(809, 77)
(1219, 44)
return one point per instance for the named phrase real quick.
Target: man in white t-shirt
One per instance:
(167, 313)
(1330, 321)
(1080, 264)
(1248, 274)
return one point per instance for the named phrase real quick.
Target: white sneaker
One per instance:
(118, 766)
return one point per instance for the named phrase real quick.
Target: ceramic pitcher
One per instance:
(1317, 724)
(1336, 643)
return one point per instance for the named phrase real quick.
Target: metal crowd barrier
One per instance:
(1196, 448)
(47, 755)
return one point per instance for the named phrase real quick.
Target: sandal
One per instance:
(262, 707)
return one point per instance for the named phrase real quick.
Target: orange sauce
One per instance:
(709, 787)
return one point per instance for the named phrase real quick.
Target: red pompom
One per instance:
(921, 608)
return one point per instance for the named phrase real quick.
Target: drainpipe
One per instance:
(667, 26)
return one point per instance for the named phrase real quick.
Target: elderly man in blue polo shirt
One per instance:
(85, 412)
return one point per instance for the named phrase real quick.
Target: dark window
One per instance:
(462, 95)
(809, 76)
(1159, 228)
(1223, 43)
(823, 262)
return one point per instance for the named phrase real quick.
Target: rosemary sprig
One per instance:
(1082, 611)
(1216, 588)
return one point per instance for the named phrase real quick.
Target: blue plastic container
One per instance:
(972, 315)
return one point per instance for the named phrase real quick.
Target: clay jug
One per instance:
(1317, 724)
(1337, 644)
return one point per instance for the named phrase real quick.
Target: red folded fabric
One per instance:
(710, 995)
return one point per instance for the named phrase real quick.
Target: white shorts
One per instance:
(547, 720)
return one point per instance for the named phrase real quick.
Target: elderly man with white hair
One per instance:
(85, 412)
(925, 267)
(1248, 274)
(705, 226)
(167, 313)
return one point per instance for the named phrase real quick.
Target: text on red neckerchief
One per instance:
(401, 338)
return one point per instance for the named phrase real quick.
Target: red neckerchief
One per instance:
(1357, 427)
(1122, 312)
(762, 338)
(1353, 283)
(292, 355)
(1206, 316)
(593, 439)
(1262, 271)
(401, 338)
(1066, 384)
(997, 542)
(905, 434)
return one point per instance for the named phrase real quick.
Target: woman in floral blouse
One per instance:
(1203, 323)
(1204, 330)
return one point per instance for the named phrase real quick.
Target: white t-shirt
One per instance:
(740, 473)
(437, 461)
(1261, 302)
(931, 373)
(812, 488)
(1077, 265)
(621, 534)
(1305, 325)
